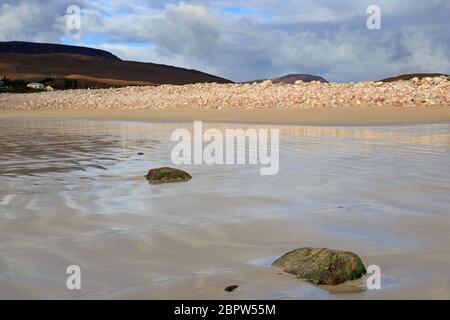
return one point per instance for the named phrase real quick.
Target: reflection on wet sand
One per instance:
(73, 192)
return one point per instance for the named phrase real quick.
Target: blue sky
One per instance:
(245, 40)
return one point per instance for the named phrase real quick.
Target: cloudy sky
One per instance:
(252, 39)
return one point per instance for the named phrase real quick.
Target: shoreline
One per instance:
(344, 116)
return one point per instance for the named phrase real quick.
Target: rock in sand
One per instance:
(167, 175)
(231, 288)
(322, 266)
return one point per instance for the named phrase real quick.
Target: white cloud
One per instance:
(33, 20)
(348, 55)
(265, 39)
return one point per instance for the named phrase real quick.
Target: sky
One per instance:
(247, 40)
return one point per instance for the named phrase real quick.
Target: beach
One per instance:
(363, 167)
(217, 158)
(73, 192)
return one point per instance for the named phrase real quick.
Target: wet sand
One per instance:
(73, 192)
(324, 116)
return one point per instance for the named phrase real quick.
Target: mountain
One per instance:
(413, 75)
(291, 78)
(20, 47)
(66, 66)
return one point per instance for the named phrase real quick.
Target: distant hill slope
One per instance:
(89, 67)
(413, 75)
(20, 47)
(291, 78)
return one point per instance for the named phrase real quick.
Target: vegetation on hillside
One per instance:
(20, 85)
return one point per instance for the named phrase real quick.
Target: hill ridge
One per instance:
(23, 47)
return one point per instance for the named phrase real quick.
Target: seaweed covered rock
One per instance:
(167, 175)
(322, 266)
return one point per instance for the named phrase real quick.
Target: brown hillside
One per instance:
(99, 71)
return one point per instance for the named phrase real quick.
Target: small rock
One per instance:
(140, 153)
(415, 80)
(167, 175)
(231, 288)
(378, 84)
(438, 80)
(322, 266)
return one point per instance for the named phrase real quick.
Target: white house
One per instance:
(35, 85)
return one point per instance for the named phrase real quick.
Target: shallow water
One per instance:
(73, 192)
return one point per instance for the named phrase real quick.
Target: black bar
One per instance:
(226, 310)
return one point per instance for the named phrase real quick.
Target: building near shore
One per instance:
(35, 85)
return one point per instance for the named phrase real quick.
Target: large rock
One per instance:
(167, 175)
(322, 266)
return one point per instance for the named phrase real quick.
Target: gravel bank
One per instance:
(415, 92)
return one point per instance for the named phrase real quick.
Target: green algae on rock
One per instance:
(322, 266)
(167, 175)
